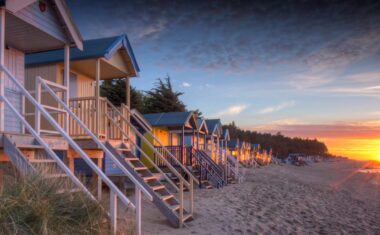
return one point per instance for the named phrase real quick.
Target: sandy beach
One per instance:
(325, 198)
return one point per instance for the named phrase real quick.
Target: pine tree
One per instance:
(162, 98)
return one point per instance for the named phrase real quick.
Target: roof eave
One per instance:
(123, 42)
(72, 29)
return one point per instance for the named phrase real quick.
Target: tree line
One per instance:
(280, 145)
(163, 98)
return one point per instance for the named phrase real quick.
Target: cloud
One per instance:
(152, 30)
(305, 81)
(231, 111)
(272, 109)
(237, 35)
(186, 84)
(373, 76)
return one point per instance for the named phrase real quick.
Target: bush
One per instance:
(34, 205)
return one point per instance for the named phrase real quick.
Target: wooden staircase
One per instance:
(43, 154)
(165, 201)
(219, 171)
(235, 169)
(207, 170)
(30, 158)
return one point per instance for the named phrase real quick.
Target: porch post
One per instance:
(205, 142)
(193, 138)
(217, 148)
(128, 100)
(212, 147)
(183, 143)
(97, 94)
(197, 139)
(2, 77)
(66, 82)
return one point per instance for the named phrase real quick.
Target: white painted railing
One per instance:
(182, 181)
(46, 147)
(115, 192)
(169, 154)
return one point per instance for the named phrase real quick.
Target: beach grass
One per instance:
(34, 205)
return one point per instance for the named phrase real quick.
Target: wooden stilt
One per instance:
(138, 210)
(113, 212)
(180, 203)
(71, 164)
(99, 180)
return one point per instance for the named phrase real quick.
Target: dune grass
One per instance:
(34, 205)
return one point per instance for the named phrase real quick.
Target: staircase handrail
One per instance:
(142, 152)
(142, 137)
(167, 151)
(79, 150)
(212, 170)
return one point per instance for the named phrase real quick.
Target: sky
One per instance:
(303, 68)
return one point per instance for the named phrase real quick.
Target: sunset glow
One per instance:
(314, 74)
(359, 140)
(360, 149)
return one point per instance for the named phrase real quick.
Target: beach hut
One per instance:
(171, 130)
(234, 148)
(215, 132)
(245, 153)
(185, 137)
(106, 59)
(31, 27)
(225, 137)
(202, 133)
(100, 59)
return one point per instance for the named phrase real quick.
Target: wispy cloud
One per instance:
(186, 84)
(272, 109)
(231, 111)
(152, 30)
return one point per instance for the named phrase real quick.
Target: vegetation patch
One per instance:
(34, 205)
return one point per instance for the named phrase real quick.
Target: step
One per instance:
(147, 178)
(186, 217)
(140, 168)
(174, 207)
(42, 161)
(29, 146)
(131, 159)
(158, 187)
(123, 149)
(166, 197)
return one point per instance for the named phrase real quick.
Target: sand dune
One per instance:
(326, 198)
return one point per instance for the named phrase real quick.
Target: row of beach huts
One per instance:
(53, 117)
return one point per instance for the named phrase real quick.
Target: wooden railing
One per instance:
(179, 152)
(207, 169)
(114, 131)
(93, 117)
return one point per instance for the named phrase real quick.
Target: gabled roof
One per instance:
(233, 144)
(226, 134)
(92, 49)
(62, 13)
(202, 126)
(172, 119)
(213, 126)
(255, 146)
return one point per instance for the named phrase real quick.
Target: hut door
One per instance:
(73, 85)
(14, 61)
